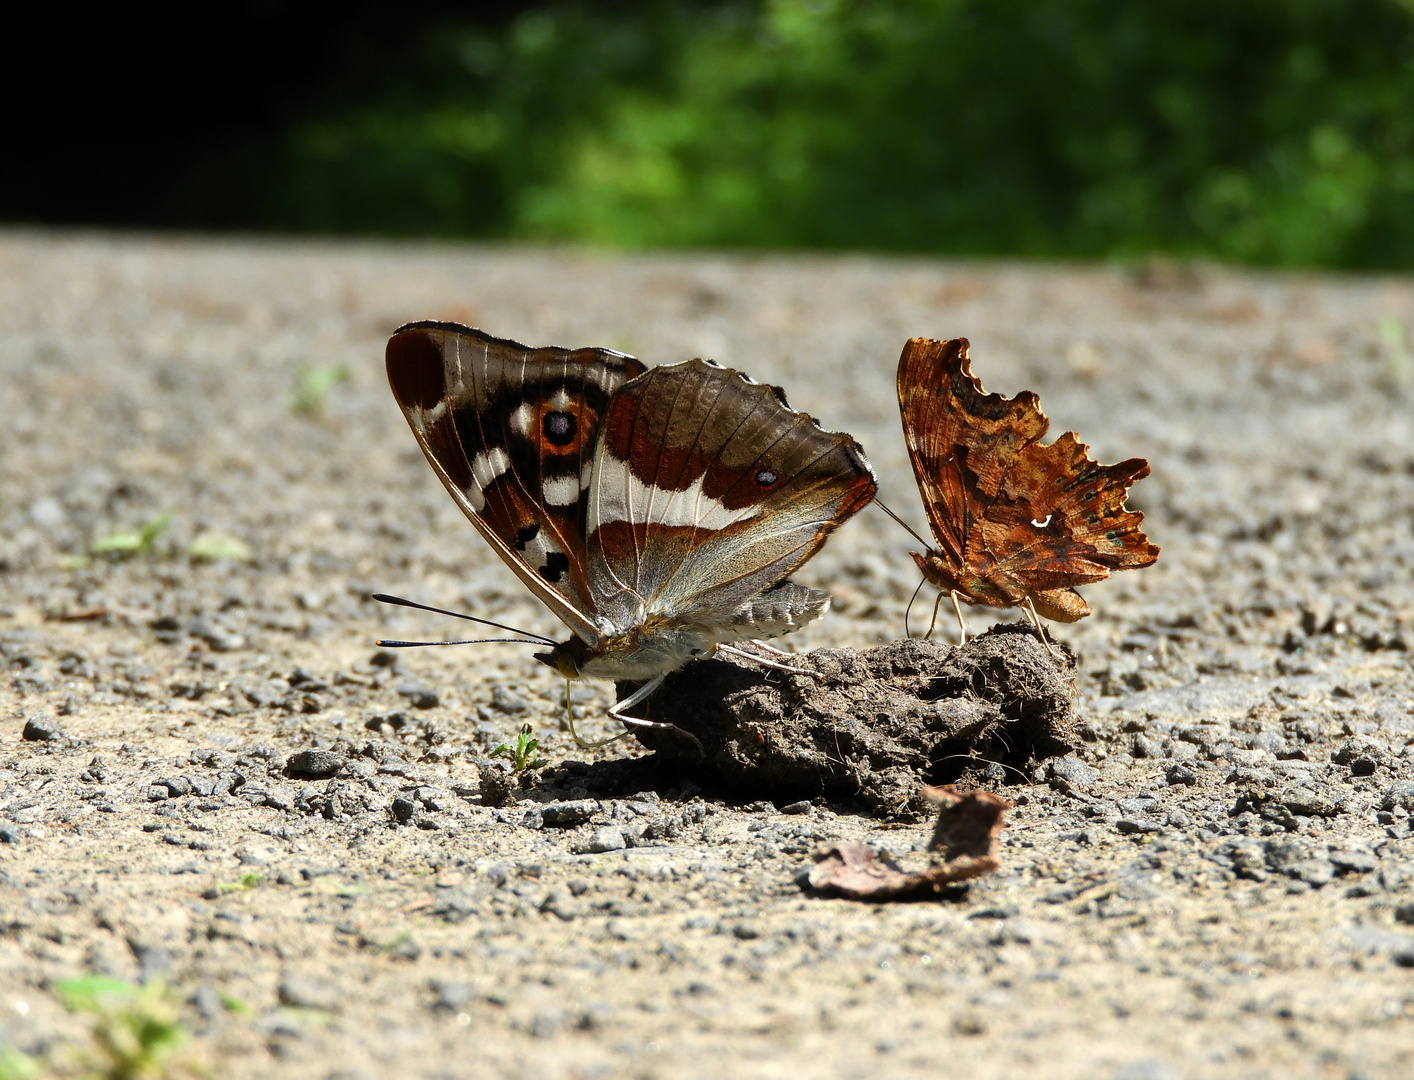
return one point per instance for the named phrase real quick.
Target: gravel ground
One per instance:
(227, 787)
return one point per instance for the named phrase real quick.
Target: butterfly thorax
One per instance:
(658, 645)
(973, 587)
(1060, 605)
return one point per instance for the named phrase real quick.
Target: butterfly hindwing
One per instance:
(511, 432)
(708, 490)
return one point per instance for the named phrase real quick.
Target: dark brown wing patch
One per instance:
(511, 431)
(708, 489)
(1013, 519)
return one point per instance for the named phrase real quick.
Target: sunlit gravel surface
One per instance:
(1220, 883)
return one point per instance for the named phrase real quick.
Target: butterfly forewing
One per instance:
(1013, 516)
(708, 490)
(511, 431)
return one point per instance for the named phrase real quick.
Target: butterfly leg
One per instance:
(933, 622)
(638, 695)
(771, 649)
(961, 622)
(1030, 608)
(569, 720)
(755, 659)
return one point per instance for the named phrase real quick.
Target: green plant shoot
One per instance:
(126, 543)
(526, 752)
(312, 386)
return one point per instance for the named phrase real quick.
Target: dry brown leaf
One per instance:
(966, 830)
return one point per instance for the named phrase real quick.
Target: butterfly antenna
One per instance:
(911, 599)
(479, 641)
(906, 526)
(398, 601)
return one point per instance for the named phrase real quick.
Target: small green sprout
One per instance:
(135, 1029)
(312, 386)
(212, 547)
(15, 1065)
(244, 883)
(235, 1005)
(1399, 364)
(129, 542)
(526, 752)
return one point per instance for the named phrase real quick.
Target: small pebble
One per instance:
(40, 727)
(313, 763)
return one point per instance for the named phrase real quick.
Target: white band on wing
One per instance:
(621, 496)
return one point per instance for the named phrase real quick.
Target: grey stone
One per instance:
(562, 905)
(1138, 825)
(608, 838)
(299, 992)
(1310, 802)
(566, 815)
(1399, 795)
(1314, 872)
(40, 727)
(453, 996)
(314, 763)
(505, 700)
(1353, 862)
(419, 695)
(1070, 774)
(1181, 774)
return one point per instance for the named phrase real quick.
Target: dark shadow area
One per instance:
(109, 109)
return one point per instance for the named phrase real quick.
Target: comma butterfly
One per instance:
(1016, 523)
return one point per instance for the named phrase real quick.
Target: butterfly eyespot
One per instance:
(559, 428)
(765, 477)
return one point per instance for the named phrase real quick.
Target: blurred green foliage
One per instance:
(1268, 131)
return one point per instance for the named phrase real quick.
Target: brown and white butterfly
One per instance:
(1017, 524)
(657, 512)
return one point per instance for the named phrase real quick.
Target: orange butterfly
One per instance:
(1017, 524)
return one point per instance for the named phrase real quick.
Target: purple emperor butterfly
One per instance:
(657, 512)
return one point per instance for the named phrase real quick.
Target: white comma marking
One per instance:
(1042, 524)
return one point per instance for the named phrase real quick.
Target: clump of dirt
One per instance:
(877, 724)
